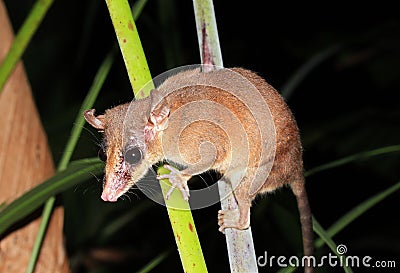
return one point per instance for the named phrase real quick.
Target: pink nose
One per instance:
(108, 197)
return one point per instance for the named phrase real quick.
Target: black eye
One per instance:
(102, 155)
(133, 155)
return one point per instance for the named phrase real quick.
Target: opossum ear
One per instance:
(157, 122)
(96, 122)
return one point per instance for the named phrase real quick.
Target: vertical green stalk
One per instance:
(207, 33)
(73, 140)
(184, 229)
(154, 262)
(303, 71)
(131, 47)
(88, 102)
(22, 39)
(356, 212)
(328, 240)
(46, 214)
(242, 257)
(135, 61)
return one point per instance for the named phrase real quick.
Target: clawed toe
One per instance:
(231, 219)
(177, 181)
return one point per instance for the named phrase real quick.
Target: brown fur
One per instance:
(181, 145)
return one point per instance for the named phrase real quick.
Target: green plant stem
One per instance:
(207, 32)
(76, 172)
(357, 211)
(345, 220)
(327, 239)
(184, 228)
(115, 226)
(136, 64)
(46, 214)
(154, 262)
(131, 47)
(88, 102)
(137, 8)
(351, 158)
(23, 38)
(304, 70)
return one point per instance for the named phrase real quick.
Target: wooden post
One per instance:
(25, 161)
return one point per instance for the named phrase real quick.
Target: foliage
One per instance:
(345, 104)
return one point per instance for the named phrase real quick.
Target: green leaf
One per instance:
(357, 211)
(154, 262)
(345, 220)
(88, 102)
(76, 172)
(23, 38)
(352, 158)
(113, 227)
(303, 71)
(325, 236)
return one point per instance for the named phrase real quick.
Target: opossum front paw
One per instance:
(177, 180)
(232, 219)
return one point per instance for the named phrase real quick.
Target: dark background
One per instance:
(348, 103)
